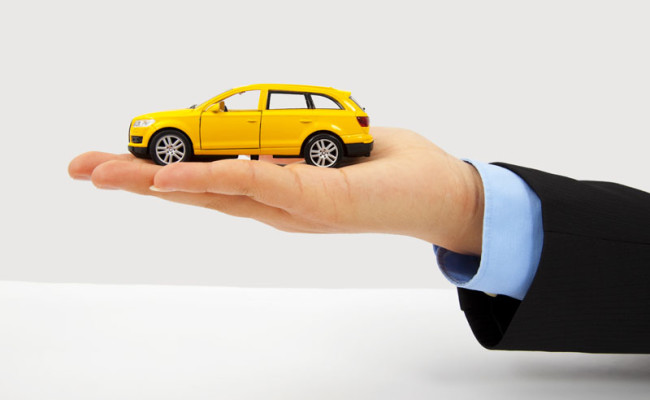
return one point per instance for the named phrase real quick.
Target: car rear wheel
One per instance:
(170, 147)
(324, 150)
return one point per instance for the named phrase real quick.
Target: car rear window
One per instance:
(324, 102)
(357, 103)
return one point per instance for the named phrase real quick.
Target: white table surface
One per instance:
(81, 341)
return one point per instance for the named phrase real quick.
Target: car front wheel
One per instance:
(324, 150)
(170, 147)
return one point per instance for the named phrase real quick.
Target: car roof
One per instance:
(294, 88)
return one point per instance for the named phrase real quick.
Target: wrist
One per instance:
(473, 208)
(458, 225)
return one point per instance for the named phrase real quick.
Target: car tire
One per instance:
(170, 146)
(324, 150)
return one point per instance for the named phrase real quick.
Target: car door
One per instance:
(287, 120)
(232, 123)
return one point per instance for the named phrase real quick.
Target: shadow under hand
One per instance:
(588, 367)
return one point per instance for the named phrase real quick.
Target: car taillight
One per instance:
(364, 121)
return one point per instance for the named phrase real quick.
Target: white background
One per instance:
(561, 86)
(95, 342)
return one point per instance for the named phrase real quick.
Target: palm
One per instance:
(400, 189)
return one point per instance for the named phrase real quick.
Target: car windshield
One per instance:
(205, 102)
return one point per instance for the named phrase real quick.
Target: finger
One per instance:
(245, 207)
(238, 206)
(117, 173)
(82, 166)
(138, 178)
(281, 161)
(264, 182)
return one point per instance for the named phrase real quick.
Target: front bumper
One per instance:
(140, 152)
(358, 149)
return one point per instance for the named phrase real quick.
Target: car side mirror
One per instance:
(218, 107)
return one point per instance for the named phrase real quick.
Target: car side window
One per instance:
(243, 101)
(324, 102)
(287, 101)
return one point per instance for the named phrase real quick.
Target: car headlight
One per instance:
(143, 123)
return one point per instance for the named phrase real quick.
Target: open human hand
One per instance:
(408, 186)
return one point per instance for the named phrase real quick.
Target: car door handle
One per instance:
(305, 121)
(252, 120)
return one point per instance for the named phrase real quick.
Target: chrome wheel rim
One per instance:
(170, 149)
(324, 153)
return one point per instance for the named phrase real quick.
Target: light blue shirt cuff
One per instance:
(513, 237)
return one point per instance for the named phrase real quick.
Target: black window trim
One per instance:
(308, 99)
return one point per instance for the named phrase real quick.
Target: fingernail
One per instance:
(105, 187)
(81, 177)
(155, 188)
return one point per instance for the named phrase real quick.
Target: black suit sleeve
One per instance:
(591, 292)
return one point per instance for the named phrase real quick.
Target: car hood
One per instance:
(168, 114)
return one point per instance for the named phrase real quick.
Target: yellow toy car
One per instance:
(317, 123)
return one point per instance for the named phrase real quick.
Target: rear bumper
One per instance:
(358, 149)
